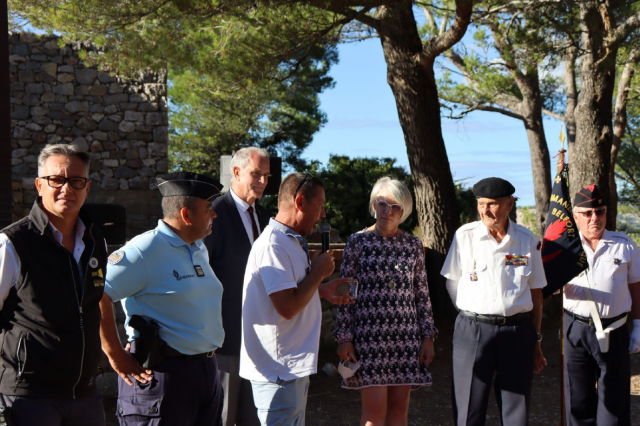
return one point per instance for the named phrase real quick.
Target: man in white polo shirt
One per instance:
(281, 312)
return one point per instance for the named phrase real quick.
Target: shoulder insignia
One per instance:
(116, 257)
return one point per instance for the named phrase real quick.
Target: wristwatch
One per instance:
(538, 337)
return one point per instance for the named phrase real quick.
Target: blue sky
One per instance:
(363, 122)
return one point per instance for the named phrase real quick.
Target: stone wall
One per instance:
(55, 98)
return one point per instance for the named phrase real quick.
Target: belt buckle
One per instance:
(504, 320)
(591, 322)
(210, 354)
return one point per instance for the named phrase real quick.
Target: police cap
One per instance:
(189, 185)
(493, 187)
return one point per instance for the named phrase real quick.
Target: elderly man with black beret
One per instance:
(597, 342)
(172, 300)
(495, 278)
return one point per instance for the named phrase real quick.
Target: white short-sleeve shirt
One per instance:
(494, 278)
(274, 347)
(612, 267)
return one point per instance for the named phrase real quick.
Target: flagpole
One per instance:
(563, 420)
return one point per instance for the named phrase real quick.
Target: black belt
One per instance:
(606, 322)
(494, 319)
(169, 352)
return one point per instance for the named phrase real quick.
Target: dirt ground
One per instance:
(330, 405)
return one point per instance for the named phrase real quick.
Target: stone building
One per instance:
(122, 122)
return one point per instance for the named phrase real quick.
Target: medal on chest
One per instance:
(473, 276)
(513, 260)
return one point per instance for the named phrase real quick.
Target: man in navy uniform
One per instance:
(239, 222)
(52, 266)
(495, 278)
(163, 276)
(611, 286)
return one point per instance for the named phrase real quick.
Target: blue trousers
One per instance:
(609, 404)
(30, 411)
(183, 392)
(481, 350)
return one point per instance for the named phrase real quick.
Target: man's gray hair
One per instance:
(171, 206)
(63, 149)
(394, 189)
(242, 157)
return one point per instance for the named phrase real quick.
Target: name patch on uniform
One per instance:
(516, 260)
(116, 257)
(199, 270)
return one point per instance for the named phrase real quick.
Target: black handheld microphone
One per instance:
(325, 228)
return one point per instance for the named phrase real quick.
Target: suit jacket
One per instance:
(229, 248)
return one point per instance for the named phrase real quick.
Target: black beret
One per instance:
(493, 187)
(189, 185)
(589, 196)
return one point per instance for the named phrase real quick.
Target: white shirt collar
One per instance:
(80, 228)
(482, 231)
(242, 205)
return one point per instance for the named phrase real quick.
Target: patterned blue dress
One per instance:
(392, 312)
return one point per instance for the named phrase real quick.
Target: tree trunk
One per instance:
(531, 111)
(572, 96)
(540, 165)
(620, 126)
(590, 162)
(413, 84)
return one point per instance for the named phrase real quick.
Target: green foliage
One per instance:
(348, 184)
(628, 161)
(628, 221)
(280, 114)
(528, 219)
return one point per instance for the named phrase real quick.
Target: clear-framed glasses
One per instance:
(382, 204)
(598, 212)
(76, 182)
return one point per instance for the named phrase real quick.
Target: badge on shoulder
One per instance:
(516, 260)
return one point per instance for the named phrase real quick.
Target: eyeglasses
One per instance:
(301, 184)
(598, 212)
(395, 208)
(76, 182)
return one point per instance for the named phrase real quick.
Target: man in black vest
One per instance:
(240, 220)
(52, 267)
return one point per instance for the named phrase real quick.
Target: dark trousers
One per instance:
(585, 365)
(184, 392)
(30, 411)
(481, 349)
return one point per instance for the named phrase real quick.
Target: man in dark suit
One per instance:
(239, 223)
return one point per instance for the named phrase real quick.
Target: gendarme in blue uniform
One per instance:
(156, 276)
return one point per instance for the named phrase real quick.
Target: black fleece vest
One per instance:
(50, 320)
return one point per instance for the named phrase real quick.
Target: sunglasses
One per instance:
(76, 182)
(301, 184)
(395, 208)
(598, 212)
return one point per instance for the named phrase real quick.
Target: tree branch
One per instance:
(553, 114)
(480, 107)
(621, 33)
(444, 41)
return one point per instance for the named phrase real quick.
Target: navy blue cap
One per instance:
(493, 187)
(189, 185)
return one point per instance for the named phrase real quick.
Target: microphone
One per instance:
(325, 228)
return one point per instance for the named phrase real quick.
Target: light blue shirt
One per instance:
(156, 276)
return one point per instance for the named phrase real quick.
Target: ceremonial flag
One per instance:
(562, 253)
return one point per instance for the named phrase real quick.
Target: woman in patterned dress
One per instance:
(390, 328)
